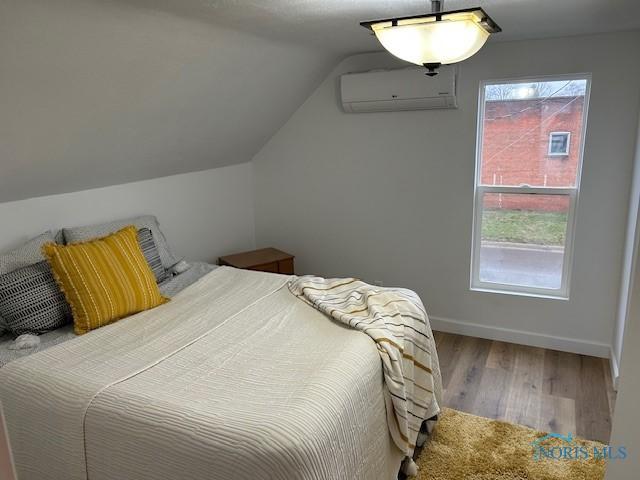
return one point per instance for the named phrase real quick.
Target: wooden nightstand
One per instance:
(263, 260)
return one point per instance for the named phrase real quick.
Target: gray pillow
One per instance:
(151, 255)
(27, 254)
(31, 301)
(90, 232)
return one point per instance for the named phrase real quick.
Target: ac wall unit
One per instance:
(402, 89)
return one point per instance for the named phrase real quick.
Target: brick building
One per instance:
(534, 142)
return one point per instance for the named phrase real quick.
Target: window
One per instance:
(559, 144)
(525, 200)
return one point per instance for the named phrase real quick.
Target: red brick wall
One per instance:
(516, 145)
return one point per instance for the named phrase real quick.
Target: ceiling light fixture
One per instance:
(436, 38)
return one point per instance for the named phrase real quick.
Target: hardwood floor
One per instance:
(543, 389)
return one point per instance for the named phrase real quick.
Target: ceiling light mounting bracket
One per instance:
(432, 69)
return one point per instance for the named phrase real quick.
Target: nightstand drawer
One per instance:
(268, 267)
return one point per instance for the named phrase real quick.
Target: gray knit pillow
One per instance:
(90, 232)
(27, 254)
(31, 302)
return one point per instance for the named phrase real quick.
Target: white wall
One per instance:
(389, 196)
(203, 214)
(626, 421)
(630, 259)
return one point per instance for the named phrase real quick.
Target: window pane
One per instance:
(517, 142)
(559, 144)
(523, 239)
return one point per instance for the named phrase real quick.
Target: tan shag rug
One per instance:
(466, 447)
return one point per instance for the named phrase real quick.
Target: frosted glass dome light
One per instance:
(437, 38)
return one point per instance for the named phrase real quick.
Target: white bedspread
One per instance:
(234, 378)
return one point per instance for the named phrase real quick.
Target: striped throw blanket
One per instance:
(397, 322)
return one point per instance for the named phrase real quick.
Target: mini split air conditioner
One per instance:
(402, 89)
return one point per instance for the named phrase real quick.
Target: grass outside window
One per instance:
(522, 226)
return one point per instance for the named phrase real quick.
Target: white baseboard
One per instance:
(615, 368)
(563, 344)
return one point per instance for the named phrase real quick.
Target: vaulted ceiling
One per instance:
(101, 92)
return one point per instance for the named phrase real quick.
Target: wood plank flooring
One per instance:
(543, 389)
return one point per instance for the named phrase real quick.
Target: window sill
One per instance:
(546, 296)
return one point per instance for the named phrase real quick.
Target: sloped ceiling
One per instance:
(101, 92)
(96, 93)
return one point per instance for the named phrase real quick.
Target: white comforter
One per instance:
(234, 378)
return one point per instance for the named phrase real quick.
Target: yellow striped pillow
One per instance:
(105, 279)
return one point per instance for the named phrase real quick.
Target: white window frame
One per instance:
(480, 190)
(566, 152)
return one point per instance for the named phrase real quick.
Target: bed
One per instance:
(234, 378)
